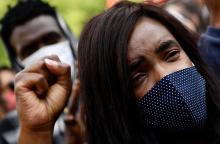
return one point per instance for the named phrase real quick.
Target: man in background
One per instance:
(30, 31)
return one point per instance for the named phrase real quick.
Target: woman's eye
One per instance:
(138, 78)
(172, 56)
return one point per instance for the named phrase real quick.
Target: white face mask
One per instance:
(62, 50)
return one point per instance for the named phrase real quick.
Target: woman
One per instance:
(135, 54)
(142, 81)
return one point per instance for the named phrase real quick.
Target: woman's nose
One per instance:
(160, 72)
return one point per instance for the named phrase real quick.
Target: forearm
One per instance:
(35, 137)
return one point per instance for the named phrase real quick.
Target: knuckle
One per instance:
(40, 78)
(53, 57)
(18, 86)
(64, 67)
(18, 76)
(35, 66)
(67, 68)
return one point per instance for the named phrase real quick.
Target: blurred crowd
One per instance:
(33, 29)
(7, 99)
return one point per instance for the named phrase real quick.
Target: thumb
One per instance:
(61, 70)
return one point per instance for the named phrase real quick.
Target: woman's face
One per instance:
(153, 53)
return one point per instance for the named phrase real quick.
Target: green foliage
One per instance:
(3, 56)
(75, 12)
(3, 7)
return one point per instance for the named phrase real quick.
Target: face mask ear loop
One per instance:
(71, 40)
(19, 63)
(66, 30)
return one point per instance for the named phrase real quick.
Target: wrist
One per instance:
(35, 136)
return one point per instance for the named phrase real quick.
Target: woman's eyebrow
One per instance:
(165, 45)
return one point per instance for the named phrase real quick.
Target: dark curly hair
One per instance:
(21, 13)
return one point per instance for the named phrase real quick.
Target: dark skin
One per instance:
(75, 129)
(152, 54)
(41, 100)
(40, 31)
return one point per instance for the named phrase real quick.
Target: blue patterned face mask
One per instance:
(177, 101)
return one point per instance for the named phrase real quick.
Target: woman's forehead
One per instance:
(148, 34)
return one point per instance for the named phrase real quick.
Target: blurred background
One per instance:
(75, 12)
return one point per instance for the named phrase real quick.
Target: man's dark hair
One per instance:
(21, 13)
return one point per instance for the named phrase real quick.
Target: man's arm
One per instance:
(28, 136)
(42, 90)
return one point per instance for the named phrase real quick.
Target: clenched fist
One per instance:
(42, 90)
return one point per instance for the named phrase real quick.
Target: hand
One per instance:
(214, 9)
(75, 130)
(42, 91)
